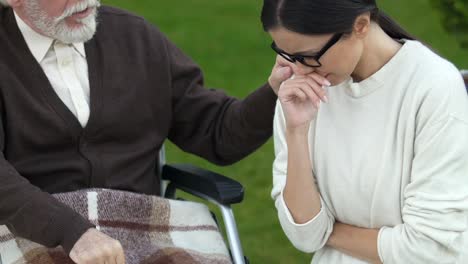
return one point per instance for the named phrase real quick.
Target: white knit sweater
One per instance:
(390, 153)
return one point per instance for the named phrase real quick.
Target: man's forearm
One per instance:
(355, 241)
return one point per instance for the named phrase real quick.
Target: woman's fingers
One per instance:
(295, 93)
(318, 89)
(319, 79)
(311, 94)
(301, 90)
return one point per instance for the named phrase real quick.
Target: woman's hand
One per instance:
(300, 98)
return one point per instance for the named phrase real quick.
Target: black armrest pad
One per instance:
(195, 180)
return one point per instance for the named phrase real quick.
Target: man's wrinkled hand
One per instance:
(95, 247)
(281, 71)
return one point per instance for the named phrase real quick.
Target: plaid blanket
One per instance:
(151, 230)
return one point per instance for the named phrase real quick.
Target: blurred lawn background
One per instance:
(226, 39)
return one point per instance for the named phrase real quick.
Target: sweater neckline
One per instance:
(43, 84)
(380, 77)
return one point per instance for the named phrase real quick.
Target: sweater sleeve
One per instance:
(435, 202)
(211, 124)
(33, 214)
(308, 237)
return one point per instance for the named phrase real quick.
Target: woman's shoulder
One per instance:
(428, 65)
(437, 84)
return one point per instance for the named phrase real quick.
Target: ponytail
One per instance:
(390, 26)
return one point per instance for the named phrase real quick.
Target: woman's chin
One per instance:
(332, 78)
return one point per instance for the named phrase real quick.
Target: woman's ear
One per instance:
(362, 25)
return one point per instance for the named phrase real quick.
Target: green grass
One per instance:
(227, 40)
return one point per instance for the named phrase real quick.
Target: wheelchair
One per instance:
(212, 187)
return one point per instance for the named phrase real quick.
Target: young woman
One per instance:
(371, 137)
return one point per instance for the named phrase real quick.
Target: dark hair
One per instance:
(312, 17)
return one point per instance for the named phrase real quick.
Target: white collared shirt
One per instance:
(65, 66)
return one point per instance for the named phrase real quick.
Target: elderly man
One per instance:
(87, 104)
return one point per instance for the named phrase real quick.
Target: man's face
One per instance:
(65, 20)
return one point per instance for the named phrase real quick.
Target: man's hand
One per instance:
(281, 71)
(94, 247)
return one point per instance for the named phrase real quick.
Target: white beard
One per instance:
(57, 28)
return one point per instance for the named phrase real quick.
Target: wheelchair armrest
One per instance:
(203, 183)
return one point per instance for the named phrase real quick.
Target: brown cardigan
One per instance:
(143, 90)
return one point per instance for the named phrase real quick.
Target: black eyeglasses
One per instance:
(313, 60)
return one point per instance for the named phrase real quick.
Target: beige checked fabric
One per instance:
(151, 229)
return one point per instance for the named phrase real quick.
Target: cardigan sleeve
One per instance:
(30, 213)
(211, 124)
(308, 237)
(435, 202)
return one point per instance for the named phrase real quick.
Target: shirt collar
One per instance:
(39, 44)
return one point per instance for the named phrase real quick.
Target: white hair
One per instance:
(4, 2)
(57, 28)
